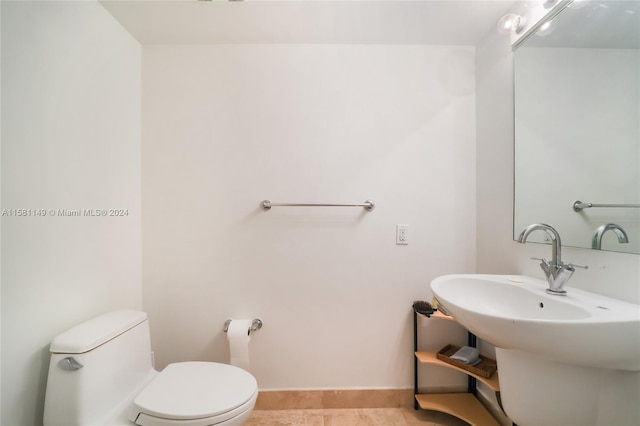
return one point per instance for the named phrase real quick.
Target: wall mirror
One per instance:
(577, 126)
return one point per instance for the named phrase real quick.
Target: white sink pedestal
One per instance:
(539, 392)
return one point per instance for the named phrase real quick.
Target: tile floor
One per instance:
(352, 417)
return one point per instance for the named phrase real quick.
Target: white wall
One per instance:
(0, 219)
(227, 126)
(496, 251)
(70, 140)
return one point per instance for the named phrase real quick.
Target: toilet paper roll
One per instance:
(239, 337)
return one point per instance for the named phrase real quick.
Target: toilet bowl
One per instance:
(101, 373)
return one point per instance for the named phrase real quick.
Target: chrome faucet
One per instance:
(596, 242)
(557, 273)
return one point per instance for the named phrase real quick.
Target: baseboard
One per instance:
(328, 399)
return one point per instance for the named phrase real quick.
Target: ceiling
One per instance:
(452, 22)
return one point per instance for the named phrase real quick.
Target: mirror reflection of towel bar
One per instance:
(266, 205)
(578, 206)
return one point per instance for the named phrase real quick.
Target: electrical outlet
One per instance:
(402, 234)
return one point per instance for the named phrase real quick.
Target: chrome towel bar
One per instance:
(266, 205)
(578, 206)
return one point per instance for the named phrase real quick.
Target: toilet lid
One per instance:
(193, 390)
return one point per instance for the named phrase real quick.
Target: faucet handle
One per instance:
(575, 265)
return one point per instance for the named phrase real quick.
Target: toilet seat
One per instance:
(195, 394)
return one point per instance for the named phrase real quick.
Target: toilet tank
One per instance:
(97, 368)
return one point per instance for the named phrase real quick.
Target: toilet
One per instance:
(101, 373)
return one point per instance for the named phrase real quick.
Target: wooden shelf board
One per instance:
(437, 314)
(431, 358)
(464, 406)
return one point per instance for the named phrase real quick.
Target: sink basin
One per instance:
(515, 312)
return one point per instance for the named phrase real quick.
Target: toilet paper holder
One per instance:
(256, 324)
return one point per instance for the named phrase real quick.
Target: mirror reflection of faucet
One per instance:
(557, 273)
(596, 242)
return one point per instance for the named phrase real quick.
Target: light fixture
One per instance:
(511, 23)
(546, 28)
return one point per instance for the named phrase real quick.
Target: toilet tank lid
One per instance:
(93, 333)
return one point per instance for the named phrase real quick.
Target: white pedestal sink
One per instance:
(563, 360)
